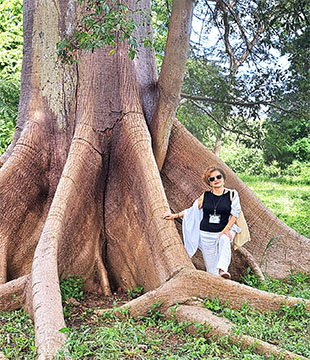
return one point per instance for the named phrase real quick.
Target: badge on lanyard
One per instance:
(214, 219)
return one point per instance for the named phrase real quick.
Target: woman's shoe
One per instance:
(225, 275)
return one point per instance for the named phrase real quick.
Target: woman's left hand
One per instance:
(227, 233)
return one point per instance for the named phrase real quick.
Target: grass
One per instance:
(289, 202)
(91, 336)
(108, 337)
(296, 285)
(17, 335)
(287, 327)
(148, 338)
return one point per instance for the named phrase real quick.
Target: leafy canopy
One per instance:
(103, 24)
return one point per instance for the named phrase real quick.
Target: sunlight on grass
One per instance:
(289, 202)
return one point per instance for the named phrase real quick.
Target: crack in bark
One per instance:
(87, 142)
(117, 121)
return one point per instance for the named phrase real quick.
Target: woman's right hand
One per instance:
(170, 216)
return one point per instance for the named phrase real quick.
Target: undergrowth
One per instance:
(287, 327)
(296, 285)
(155, 337)
(17, 335)
(71, 288)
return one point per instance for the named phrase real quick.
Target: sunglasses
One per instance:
(218, 177)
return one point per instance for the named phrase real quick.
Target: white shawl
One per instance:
(191, 227)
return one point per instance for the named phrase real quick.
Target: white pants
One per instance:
(216, 251)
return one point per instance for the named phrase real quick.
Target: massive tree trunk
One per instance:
(81, 192)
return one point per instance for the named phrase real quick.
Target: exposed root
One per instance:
(189, 285)
(101, 270)
(65, 222)
(22, 212)
(219, 327)
(12, 294)
(103, 277)
(250, 260)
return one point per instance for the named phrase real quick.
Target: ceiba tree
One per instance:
(96, 159)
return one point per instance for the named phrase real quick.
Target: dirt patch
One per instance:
(79, 312)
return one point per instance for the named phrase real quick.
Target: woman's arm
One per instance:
(226, 229)
(179, 215)
(230, 223)
(173, 216)
(234, 213)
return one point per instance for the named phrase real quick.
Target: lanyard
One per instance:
(217, 204)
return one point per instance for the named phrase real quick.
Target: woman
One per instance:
(210, 223)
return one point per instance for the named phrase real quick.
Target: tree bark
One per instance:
(80, 187)
(217, 148)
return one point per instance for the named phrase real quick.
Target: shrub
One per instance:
(9, 97)
(249, 161)
(297, 172)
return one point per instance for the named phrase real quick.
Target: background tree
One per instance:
(80, 187)
(291, 38)
(238, 46)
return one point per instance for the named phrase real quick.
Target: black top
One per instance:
(222, 206)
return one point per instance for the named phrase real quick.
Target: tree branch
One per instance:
(249, 45)
(226, 37)
(234, 102)
(219, 124)
(171, 77)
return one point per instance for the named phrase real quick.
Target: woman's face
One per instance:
(216, 179)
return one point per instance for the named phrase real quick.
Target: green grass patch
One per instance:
(151, 337)
(288, 201)
(108, 337)
(17, 336)
(91, 336)
(296, 285)
(287, 328)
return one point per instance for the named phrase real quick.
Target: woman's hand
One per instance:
(226, 232)
(170, 216)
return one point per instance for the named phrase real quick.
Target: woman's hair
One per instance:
(209, 170)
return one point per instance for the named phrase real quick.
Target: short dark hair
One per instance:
(209, 170)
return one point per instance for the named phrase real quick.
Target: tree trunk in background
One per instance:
(217, 148)
(80, 189)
